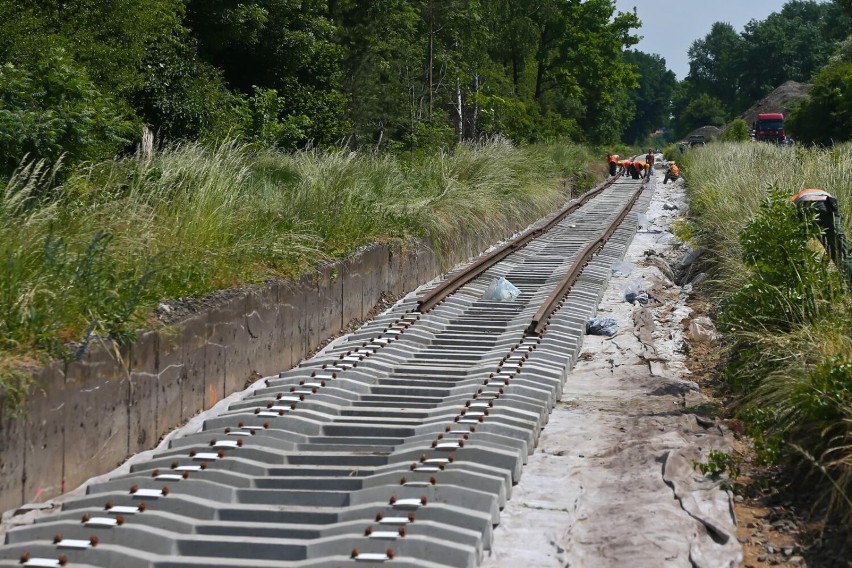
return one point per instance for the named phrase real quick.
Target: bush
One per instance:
(788, 283)
(737, 131)
(53, 109)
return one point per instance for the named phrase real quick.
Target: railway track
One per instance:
(397, 445)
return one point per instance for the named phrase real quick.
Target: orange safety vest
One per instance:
(810, 195)
(613, 159)
(675, 171)
(624, 163)
(639, 164)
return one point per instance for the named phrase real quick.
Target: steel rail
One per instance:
(551, 304)
(453, 283)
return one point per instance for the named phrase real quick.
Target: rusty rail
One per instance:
(551, 304)
(456, 281)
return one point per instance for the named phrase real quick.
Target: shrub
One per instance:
(789, 282)
(737, 131)
(53, 109)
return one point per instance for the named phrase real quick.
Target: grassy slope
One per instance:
(96, 254)
(789, 334)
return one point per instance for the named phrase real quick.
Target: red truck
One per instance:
(770, 128)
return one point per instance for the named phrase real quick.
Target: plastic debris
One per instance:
(501, 290)
(702, 330)
(622, 268)
(633, 297)
(602, 326)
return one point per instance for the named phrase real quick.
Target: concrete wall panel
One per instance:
(282, 330)
(96, 412)
(310, 314)
(142, 401)
(395, 283)
(12, 444)
(170, 375)
(352, 289)
(374, 267)
(329, 293)
(44, 416)
(194, 394)
(261, 317)
(226, 324)
(291, 298)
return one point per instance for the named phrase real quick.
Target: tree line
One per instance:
(806, 41)
(81, 78)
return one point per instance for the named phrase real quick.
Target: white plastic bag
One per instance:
(622, 268)
(501, 290)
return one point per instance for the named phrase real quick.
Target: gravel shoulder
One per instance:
(613, 482)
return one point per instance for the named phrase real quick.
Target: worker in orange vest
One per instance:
(637, 169)
(673, 173)
(612, 162)
(624, 166)
(650, 158)
(828, 218)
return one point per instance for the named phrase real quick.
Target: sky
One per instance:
(670, 26)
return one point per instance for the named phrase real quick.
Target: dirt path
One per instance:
(612, 482)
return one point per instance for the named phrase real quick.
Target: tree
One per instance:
(789, 45)
(281, 45)
(652, 99)
(825, 117)
(715, 62)
(136, 53)
(51, 109)
(737, 131)
(703, 111)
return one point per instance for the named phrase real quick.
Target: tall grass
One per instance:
(94, 255)
(785, 311)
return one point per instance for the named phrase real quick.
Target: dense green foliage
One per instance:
(785, 310)
(651, 100)
(826, 117)
(731, 71)
(83, 77)
(737, 131)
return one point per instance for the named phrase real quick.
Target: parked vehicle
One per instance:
(696, 140)
(770, 128)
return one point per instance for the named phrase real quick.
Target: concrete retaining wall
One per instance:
(94, 413)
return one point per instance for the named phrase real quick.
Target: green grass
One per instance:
(95, 254)
(783, 306)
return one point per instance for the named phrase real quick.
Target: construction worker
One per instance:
(637, 169)
(672, 174)
(612, 162)
(828, 218)
(624, 166)
(650, 158)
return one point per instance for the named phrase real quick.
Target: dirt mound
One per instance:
(779, 100)
(707, 132)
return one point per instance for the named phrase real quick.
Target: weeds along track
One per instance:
(397, 445)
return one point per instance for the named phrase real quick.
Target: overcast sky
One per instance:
(670, 26)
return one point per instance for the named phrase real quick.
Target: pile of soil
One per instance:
(779, 100)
